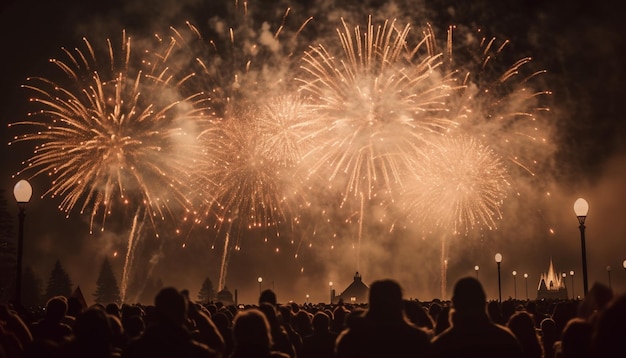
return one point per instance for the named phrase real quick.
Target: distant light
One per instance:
(498, 257)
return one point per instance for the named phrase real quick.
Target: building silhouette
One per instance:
(356, 292)
(226, 297)
(551, 285)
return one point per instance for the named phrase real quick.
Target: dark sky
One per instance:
(579, 43)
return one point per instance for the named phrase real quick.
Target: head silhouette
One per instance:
(468, 296)
(251, 328)
(268, 296)
(171, 305)
(385, 300)
(56, 308)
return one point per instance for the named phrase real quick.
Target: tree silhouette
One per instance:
(107, 290)
(59, 283)
(8, 251)
(207, 292)
(31, 288)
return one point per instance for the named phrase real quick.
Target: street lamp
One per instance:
(330, 285)
(498, 258)
(608, 271)
(307, 298)
(476, 269)
(260, 280)
(581, 208)
(571, 273)
(526, 279)
(22, 192)
(515, 284)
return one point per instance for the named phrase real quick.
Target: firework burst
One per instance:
(461, 185)
(245, 175)
(111, 134)
(503, 102)
(375, 103)
(250, 179)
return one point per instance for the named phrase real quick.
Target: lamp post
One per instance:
(260, 280)
(571, 274)
(564, 276)
(22, 192)
(476, 269)
(515, 284)
(581, 208)
(330, 285)
(526, 279)
(498, 258)
(608, 271)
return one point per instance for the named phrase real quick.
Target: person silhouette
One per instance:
(383, 329)
(252, 337)
(471, 332)
(51, 327)
(522, 324)
(167, 335)
(321, 342)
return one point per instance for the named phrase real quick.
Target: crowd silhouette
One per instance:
(387, 326)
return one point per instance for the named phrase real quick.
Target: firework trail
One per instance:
(129, 258)
(112, 137)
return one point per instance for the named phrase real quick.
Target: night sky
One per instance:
(580, 44)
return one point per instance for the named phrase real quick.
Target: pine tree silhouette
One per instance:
(59, 283)
(207, 292)
(107, 290)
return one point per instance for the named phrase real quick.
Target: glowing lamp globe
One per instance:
(498, 257)
(22, 191)
(581, 207)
